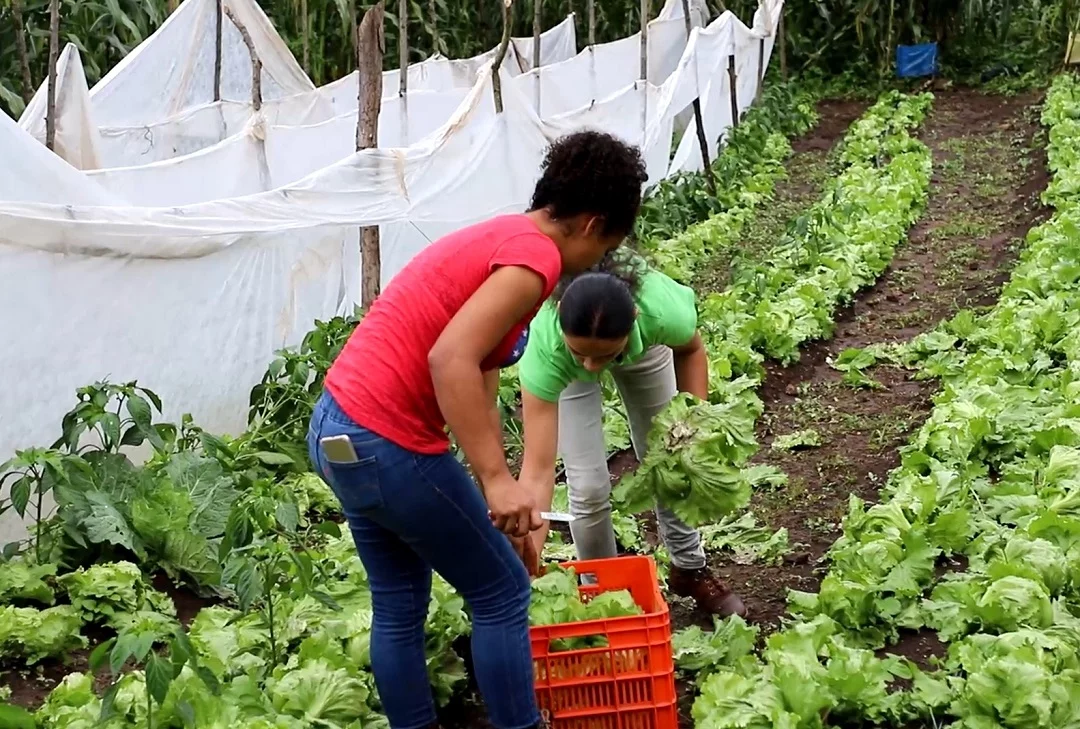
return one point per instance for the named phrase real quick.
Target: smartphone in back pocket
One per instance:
(338, 449)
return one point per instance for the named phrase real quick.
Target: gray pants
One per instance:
(646, 387)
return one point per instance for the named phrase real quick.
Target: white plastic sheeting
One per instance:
(173, 69)
(193, 299)
(189, 121)
(76, 134)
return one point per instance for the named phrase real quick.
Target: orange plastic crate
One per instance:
(628, 684)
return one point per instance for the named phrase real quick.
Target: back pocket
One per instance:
(356, 484)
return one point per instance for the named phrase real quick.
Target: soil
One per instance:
(30, 686)
(988, 172)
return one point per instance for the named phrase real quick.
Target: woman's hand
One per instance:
(512, 506)
(530, 555)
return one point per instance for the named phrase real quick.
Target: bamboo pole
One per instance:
(433, 17)
(760, 68)
(20, 50)
(500, 56)
(699, 123)
(592, 22)
(305, 35)
(644, 39)
(538, 19)
(370, 47)
(733, 91)
(256, 63)
(217, 51)
(54, 51)
(403, 46)
(781, 38)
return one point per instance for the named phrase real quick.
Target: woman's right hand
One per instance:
(512, 506)
(526, 549)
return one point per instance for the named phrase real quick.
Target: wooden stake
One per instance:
(217, 51)
(733, 92)
(592, 22)
(433, 13)
(538, 19)
(760, 68)
(54, 51)
(20, 50)
(403, 46)
(370, 47)
(500, 56)
(256, 64)
(781, 38)
(305, 35)
(706, 165)
(644, 39)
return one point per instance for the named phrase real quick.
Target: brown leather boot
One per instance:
(710, 594)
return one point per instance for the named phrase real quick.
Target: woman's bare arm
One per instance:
(692, 368)
(507, 296)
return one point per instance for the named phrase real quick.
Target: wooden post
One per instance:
(172, 5)
(496, 81)
(433, 13)
(370, 46)
(698, 121)
(734, 92)
(781, 38)
(256, 64)
(403, 46)
(538, 19)
(20, 50)
(644, 39)
(592, 22)
(305, 35)
(760, 68)
(54, 51)
(217, 51)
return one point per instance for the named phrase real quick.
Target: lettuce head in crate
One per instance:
(696, 462)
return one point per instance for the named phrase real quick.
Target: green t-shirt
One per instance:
(667, 315)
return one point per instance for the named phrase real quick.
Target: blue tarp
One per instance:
(915, 61)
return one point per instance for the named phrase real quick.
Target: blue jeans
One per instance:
(410, 514)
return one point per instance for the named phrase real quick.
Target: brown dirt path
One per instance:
(988, 172)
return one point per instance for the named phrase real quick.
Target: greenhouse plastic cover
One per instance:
(193, 298)
(181, 118)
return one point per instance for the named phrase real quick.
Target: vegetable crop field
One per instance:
(888, 470)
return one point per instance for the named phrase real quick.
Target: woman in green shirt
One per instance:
(642, 327)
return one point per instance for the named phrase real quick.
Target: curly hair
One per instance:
(592, 172)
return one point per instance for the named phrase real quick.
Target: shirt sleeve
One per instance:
(667, 311)
(533, 251)
(540, 371)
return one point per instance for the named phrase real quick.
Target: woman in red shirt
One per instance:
(426, 356)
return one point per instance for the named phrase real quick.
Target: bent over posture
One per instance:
(642, 327)
(425, 357)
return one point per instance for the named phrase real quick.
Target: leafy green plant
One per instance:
(136, 642)
(111, 593)
(30, 475)
(282, 403)
(695, 463)
(33, 634)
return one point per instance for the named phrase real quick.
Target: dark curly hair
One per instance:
(592, 172)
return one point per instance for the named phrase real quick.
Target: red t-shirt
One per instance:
(381, 378)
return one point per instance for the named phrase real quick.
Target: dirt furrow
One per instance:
(988, 172)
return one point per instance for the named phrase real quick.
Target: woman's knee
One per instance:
(589, 490)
